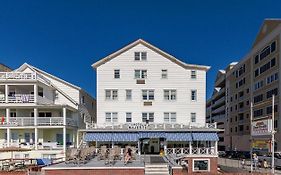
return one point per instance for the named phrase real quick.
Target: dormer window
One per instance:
(140, 56)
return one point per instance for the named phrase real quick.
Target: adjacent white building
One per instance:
(41, 112)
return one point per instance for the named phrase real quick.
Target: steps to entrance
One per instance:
(156, 169)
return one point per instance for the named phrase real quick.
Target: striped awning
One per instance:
(204, 136)
(125, 137)
(98, 136)
(178, 136)
(152, 135)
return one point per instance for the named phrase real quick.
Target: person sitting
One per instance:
(128, 156)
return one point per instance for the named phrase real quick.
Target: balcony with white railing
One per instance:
(192, 151)
(21, 98)
(41, 121)
(150, 126)
(18, 76)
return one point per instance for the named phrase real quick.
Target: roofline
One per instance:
(156, 49)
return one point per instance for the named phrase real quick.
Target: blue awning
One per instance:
(204, 136)
(178, 136)
(152, 135)
(125, 137)
(98, 136)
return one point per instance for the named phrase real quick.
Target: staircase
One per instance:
(156, 169)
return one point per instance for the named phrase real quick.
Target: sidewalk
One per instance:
(230, 165)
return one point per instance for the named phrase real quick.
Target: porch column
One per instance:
(64, 115)
(35, 111)
(64, 140)
(139, 148)
(77, 139)
(35, 89)
(216, 147)
(190, 147)
(7, 114)
(8, 136)
(36, 137)
(6, 93)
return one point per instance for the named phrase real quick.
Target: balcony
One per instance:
(21, 98)
(41, 121)
(17, 76)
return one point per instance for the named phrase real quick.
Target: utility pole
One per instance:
(251, 136)
(272, 137)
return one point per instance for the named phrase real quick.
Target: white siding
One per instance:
(178, 78)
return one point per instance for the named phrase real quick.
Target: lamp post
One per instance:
(251, 136)
(272, 138)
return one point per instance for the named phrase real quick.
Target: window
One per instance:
(193, 95)
(128, 117)
(201, 165)
(256, 59)
(111, 94)
(258, 113)
(83, 99)
(164, 73)
(140, 74)
(148, 94)
(111, 117)
(193, 74)
(128, 94)
(40, 91)
(258, 98)
(272, 78)
(117, 74)
(170, 94)
(147, 116)
(272, 92)
(13, 114)
(241, 127)
(273, 46)
(140, 56)
(193, 117)
(170, 117)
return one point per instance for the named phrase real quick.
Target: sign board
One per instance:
(262, 127)
(261, 145)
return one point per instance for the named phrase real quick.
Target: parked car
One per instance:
(268, 158)
(222, 153)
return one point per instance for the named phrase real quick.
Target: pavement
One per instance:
(230, 165)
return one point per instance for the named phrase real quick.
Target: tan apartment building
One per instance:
(253, 79)
(216, 106)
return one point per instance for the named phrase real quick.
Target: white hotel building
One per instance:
(149, 99)
(41, 112)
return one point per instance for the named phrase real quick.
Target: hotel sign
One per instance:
(262, 127)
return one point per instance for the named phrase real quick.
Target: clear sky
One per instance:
(65, 37)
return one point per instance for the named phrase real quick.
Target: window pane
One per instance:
(143, 55)
(201, 165)
(117, 73)
(114, 117)
(166, 94)
(143, 74)
(193, 117)
(108, 117)
(107, 94)
(164, 73)
(193, 95)
(166, 117)
(128, 94)
(137, 73)
(173, 117)
(144, 95)
(151, 117)
(144, 117)
(151, 95)
(173, 94)
(114, 94)
(193, 74)
(137, 56)
(128, 117)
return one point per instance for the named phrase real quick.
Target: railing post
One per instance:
(174, 150)
(6, 93)
(190, 148)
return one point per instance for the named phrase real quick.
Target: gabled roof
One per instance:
(35, 69)
(164, 54)
(267, 27)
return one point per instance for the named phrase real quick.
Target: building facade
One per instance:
(41, 112)
(152, 101)
(254, 79)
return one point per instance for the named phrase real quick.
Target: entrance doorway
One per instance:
(151, 145)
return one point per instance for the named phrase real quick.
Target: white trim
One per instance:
(201, 170)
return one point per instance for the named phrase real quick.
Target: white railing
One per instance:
(41, 121)
(151, 126)
(21, 121)
(44, 100)
(192, 151)
(17, 76)
(21, 98)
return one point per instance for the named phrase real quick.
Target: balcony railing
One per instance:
(191, 151)
(151, 126)
(41, 121)
(17, 76)
(21, 98)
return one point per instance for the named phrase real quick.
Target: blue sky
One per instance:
(65, 37)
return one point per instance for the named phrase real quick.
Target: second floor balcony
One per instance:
(41, 121)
